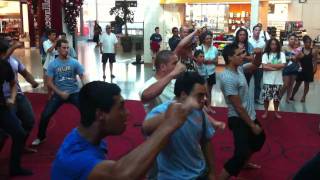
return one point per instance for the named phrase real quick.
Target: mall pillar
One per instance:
(152, 14)
(254, 17)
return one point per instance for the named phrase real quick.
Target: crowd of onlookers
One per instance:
(180, 120)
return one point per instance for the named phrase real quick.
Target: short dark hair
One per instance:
(162, 58)
(156, 28)
(63, 34)
(60, 41)
(204, 35)
(173, 29)
(306, 38)
(227, 51)
(96, 95)
(292, 34)
(198, 52)
(4, 45)
(186, 81)
(50, 31)
(256, 27)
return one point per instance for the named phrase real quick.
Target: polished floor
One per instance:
(131, 77)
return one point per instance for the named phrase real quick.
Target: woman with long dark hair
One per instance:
(208, 68)
(308, 63)
(291, 70)
(273, 61)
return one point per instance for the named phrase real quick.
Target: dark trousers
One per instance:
(11, 125)
(245, 144)
(310, 170)
(52, 106)
(23, 109)
(257, 83)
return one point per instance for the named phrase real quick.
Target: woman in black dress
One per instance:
(309, 68)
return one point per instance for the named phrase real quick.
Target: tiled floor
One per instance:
(131, 78)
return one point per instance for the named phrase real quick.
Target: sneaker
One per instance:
(37, 142)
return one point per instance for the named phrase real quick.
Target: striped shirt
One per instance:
(235, 83)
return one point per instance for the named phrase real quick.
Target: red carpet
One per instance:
(290, 142)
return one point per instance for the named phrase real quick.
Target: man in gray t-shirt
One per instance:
(247, 132)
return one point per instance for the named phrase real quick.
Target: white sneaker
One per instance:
(37, 142)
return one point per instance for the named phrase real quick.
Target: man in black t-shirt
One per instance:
(175, 39)
(9, 122)
(155, 41)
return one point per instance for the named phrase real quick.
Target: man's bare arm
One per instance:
(250, 68)
(29, 78)
(156, 89)
(150, 125)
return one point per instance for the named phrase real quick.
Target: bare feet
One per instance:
(265, 115)
(278, 116)
(29, 150)
(252, 166)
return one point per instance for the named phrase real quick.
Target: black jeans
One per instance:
(23, 109)
(257, 83)
(52, 106)
(245, 144)
(310, 170)
(11, 125)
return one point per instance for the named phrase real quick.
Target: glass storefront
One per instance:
(99, 10)
(213, 16)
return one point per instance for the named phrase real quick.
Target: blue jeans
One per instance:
(11, 125)
(257, 83)
(52, 106)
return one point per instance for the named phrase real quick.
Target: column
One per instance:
(254, 17)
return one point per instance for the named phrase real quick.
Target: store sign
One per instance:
(46, 7)
(130, 3)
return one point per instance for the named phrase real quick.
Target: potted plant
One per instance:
(123, 15)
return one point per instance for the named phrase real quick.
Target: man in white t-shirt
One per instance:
(263, 34)
(49, 46)
(258, 44)
(160, 87)
(108, 47)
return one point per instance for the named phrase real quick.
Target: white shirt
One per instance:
(260, 43)
(262, 33)
(166, 95)
(273, 77)
(108, 41)
(50, 56)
